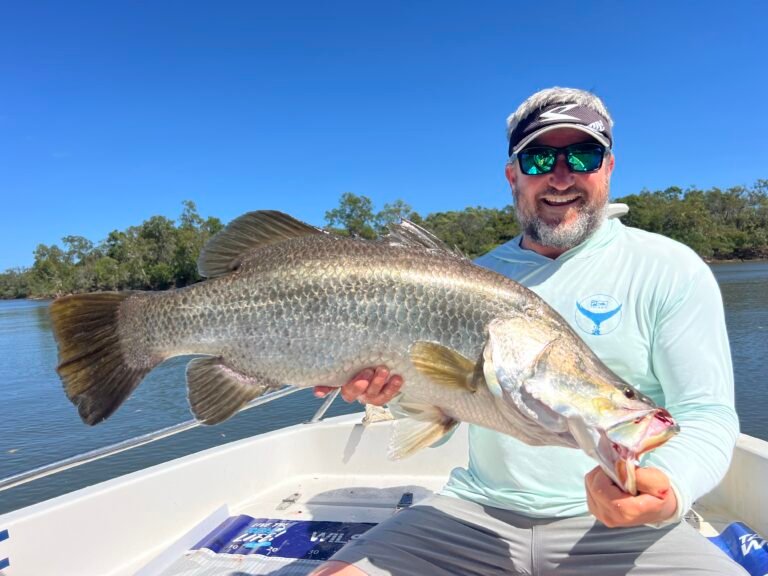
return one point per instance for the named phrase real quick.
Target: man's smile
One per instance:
(560, 200)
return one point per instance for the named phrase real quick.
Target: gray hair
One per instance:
(557, 95)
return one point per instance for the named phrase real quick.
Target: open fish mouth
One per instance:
(640, 434)
(633, 437)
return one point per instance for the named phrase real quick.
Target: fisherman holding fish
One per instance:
(652, 312)
(580, 341)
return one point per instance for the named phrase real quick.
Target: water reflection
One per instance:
(43, 316)
(744, 288)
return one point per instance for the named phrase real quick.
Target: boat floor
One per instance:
(345, 499)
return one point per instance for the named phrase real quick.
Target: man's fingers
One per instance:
(369, 386)
(602, 489)
(380, 377)
(599, 483)
(652, 481)
(386, 393)
(390, 390)
(322, 391)
(353, 389)
(655, 501)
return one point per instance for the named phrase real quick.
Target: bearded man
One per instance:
(652, 311)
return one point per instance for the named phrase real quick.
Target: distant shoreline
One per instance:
(41, 298)
(733, 260)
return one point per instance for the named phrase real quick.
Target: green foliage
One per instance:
(160, 253)
(718, 224)
(393, 213)
(474, 231)
(354, 216)
(155, 255)
(15, 283)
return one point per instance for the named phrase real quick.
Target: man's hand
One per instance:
(655, 500)
(371, 386)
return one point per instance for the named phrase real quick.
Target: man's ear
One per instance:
(511, 174)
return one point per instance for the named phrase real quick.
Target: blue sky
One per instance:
(111, 112)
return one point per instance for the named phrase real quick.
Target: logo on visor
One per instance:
(557, 113)
(597, 126)
(598, 315)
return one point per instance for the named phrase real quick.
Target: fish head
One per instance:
(610, 420)
(552, 377)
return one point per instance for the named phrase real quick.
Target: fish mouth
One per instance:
(633, 437)
(618, 446)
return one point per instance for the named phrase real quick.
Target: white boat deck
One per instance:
(340, 498)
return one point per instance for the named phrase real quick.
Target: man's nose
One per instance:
(561, 177)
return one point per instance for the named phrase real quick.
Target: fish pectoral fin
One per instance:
(226, 251)
(418, 426)
(445, 366)
(217, 392)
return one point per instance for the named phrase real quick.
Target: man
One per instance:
(651, 310)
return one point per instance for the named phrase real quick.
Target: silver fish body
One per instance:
(316, 310)
(290, 304)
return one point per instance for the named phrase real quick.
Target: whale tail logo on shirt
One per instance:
(598, 315)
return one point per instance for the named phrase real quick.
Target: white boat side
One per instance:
(330, 470)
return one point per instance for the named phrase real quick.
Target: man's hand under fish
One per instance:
(369, 386)
(655, 501)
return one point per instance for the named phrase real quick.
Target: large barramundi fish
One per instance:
(288, 303)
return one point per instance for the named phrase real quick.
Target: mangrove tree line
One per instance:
(161, 253)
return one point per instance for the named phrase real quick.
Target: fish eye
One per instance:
(629, 393)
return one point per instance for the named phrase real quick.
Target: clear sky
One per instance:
(111, 112)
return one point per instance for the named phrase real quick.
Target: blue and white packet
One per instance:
(745, 546)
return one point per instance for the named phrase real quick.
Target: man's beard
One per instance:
(561, 235)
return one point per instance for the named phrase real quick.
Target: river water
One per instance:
(39, 425)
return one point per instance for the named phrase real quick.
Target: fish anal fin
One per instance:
(445, 366)
(217, 392)
(225, 252)
(418, 426)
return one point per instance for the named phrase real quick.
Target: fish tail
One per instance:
(93, 366)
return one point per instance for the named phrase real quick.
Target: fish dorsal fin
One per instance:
(225, 252)
(445, 366)
(217, 392)
(406, 233)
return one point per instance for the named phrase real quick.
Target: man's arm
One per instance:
(691, 359)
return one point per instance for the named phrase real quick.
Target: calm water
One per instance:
(39, 425)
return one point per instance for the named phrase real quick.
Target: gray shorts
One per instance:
(444, 536)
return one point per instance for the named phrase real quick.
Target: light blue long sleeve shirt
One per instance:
(652, 311)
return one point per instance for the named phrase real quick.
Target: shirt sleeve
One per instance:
(691, 358)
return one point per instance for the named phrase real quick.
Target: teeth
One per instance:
(561, 199)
